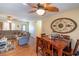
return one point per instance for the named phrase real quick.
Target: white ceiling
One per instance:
(22, 11)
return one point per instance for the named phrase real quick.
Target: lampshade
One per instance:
(40, 11)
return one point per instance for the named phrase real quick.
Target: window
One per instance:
(6, 26)
(23, 27)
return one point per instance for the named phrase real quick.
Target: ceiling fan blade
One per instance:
(49, 7)
(52, 9)
(32, 11)
(32, 5)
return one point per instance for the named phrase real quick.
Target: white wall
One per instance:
(5, 26)
(73, 14)
(17, 24)
(38, 27)
(32, 28)
(35, 28)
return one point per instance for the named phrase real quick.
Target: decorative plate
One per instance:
(63, 25)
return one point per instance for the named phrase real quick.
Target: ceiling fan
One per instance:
(41, 8)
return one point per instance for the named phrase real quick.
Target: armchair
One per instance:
(23, 40)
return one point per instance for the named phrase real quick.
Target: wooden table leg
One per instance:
(59, 52)
(52, 53)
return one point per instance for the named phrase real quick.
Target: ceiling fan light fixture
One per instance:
(40, 12)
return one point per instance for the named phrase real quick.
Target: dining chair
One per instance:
(43, 34)
(44, 47)
(39, 46)
(72, 51)
(67, 39)
(47, 47)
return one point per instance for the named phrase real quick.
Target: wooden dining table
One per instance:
(58, 44)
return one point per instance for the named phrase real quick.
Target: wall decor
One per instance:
(63, 25)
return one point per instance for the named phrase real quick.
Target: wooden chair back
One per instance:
(76, 47)
(47, 47)
(44, 46)
(39, 45)
(72, 51)
(43, 34)
(67, 37)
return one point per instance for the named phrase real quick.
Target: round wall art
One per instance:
(63, 25)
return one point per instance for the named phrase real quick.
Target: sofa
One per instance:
(11, 34)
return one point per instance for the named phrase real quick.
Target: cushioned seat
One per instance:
(23, 40)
